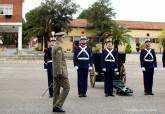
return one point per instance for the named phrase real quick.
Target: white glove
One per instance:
(90, 68)
(76, 67)
(143, 69)
(155, 68)
(116, 69)
(104, 69)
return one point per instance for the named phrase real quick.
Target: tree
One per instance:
(99, 15)
(119, 35)
(162, 37)
(128, 49)
(51, 15)
(84, 14)
(9, 38)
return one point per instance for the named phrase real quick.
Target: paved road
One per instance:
(21, 86)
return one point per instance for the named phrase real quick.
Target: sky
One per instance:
(136, 10)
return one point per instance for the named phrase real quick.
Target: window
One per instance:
(71, 38)
(137, 40)
(6, 9)
(141, 40)
(131, 40)
(155, 40)
(152, 40)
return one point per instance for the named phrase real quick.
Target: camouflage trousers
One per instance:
(59, 97)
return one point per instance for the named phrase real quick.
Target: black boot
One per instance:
(58, 109)
(112, 95)
(106, 95)
(80, 95)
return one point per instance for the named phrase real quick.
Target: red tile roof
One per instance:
(127, 24)
(79, 23)
(142, 25)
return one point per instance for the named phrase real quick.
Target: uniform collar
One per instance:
(109, 49)
(83, 47)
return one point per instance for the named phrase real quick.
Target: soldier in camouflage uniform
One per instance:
(60, 74)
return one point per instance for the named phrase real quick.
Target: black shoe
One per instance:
(58, 109)
(146, 93)
(84, 95)
(50, 96)
(112, 95)
(151, 93)
(80, 95)
(106, 95)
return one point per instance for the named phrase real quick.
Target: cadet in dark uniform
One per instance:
(148, 63)
(82, 62)
(48, 66)
(109, 65)
(163, 58)
(60, 74)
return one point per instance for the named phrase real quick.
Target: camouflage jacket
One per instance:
(59, 62)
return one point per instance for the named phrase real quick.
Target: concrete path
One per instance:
(22, 84)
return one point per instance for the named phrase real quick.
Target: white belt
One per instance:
(50, 61)
(148, 60)
(110, 60)
(83, 58)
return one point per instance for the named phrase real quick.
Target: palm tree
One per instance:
(119, 35)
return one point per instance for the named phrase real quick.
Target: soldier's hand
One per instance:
(116, 69)
(104, 69)
(76, 68)
(90, 68)
(163, 68)
(45, 65)
(155, 68)
(143, 69)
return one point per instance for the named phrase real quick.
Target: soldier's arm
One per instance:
(155, 61)
(102, 59)
(163, 58)
(116, 59)
(91, 58)
(59, 61)
(75, 56)
(142, 58)
(53, 58)
(45, 58)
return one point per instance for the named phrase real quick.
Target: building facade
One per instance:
(138, 31)
(11, 18)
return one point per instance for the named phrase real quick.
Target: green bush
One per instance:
(163, 43)
(128, 49)
(96, 50)
(38, 48)
(142, 46)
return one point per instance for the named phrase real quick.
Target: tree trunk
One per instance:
(46, 40)
(116, 44)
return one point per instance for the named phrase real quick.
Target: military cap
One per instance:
(53, 39)
(147, 40)
(83, 38)
(108, 40)
(60, 34)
